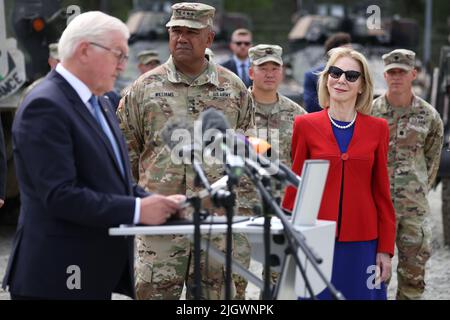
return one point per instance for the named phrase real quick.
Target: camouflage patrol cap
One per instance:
(148, 56)
(263, 53)
(53, 51)
(399, 58)
(191, 15)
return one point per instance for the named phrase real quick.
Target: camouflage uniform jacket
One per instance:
(274, 125)
(162, 93)
(416, 137)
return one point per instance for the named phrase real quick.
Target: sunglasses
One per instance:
(240, 43)
(350, 75)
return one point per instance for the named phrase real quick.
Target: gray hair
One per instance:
(91, 26)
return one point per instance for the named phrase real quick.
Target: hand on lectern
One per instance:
(180, 199)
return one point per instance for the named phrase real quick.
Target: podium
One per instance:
(320, 237)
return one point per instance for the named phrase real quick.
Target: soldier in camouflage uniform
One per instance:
(416, 137)
(273, 116)
(184, 86)
(148, 60)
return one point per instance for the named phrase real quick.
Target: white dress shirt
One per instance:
(239, 64)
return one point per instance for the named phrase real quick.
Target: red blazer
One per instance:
(367, 209)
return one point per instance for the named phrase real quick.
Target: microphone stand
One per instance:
(196, 203)
(227, 200)
(229, 207)
(267, 213)
(295, 239)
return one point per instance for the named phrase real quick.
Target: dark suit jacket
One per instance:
(310, 95)
(72, 191)
(367, 210)
(114, 99)
(3, 169)
(231, 65)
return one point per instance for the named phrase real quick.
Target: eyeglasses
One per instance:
(240, 43)
(350, 75)
(121, 57)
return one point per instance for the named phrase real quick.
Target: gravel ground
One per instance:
(6, 235)
(437, 276)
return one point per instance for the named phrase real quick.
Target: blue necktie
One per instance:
(107, 130)
(244, 73)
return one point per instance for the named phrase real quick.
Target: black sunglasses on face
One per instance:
(350, 75)
(240, 43)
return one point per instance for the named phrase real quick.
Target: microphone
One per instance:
(249, 148)
(238, 151)
(213, 119)
(261, 147)
(215, 125)
(176, 124)
(214, 135)
(177, 135)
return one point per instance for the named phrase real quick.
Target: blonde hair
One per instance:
(364, 100)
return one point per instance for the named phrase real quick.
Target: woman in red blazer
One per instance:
(356, 193)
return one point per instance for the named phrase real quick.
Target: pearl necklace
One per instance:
(342, 127)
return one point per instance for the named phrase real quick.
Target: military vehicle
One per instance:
(310, 32)
(26, 29)
(147, 25)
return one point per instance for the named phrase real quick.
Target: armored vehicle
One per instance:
(310, 31)
(27, 27)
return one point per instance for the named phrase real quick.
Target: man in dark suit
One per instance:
(241, 41)
(114, 98)
(74, 175)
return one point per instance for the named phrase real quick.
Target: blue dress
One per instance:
(354, 262)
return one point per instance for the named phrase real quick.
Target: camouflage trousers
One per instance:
(414, 249)
(165, 263)
(241, 254)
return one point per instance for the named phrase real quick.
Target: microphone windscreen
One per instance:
(176, 129)
(214, 119)
(260, 146)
